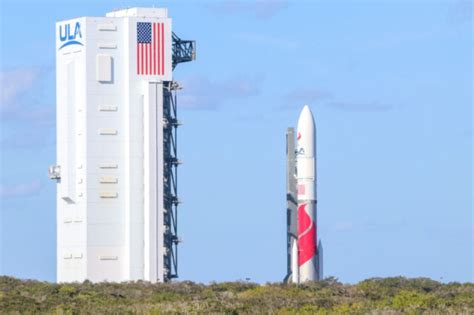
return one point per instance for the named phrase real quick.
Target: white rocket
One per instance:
(304, 254)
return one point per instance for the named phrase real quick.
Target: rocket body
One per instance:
(308, 260)
(304, 254)
(295, 277)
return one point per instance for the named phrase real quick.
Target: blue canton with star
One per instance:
(143, 33)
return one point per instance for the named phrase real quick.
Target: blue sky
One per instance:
(390, 84)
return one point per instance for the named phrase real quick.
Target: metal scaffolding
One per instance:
(171, 162)
(183, 51)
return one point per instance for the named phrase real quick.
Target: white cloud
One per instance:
(343, 226)
(321, 97)
(26, 120)
(361, 107)
(15, 84)
(21, 189)
(308, 95)
(262, 9)
(460, 12)
(22, 96)
(201, 93)
(269, 40)
(39, 137)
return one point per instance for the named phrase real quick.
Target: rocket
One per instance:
(306, 196)
(304, 252)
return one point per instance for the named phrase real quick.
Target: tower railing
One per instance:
(183, 50)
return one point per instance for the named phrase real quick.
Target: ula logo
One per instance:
(69, 36)
(300, 151)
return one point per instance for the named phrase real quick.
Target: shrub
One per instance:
(377, 296)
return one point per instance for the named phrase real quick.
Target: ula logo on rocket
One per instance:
(69, 36)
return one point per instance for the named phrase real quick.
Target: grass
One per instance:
(373, 296)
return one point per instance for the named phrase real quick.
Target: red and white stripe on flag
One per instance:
(150, 48)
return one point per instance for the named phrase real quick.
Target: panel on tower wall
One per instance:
(133, 167)
(138, 78)
(106, 86)
(104, 68)
(150, 180)
(70, 89)
(70, 146)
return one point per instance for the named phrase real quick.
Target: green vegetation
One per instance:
(375, 296)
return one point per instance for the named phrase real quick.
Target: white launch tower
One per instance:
(116, 146)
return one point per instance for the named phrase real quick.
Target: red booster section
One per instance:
(306, 236)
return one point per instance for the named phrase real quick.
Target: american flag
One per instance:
(301, 189)
(150, 48)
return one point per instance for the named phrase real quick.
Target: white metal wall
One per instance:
(109, 148)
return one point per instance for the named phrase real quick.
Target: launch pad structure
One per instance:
(117, 146)
(291, 203)
(183, 51)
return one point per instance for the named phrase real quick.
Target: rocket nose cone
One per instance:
(306, 117)
(306, 135)
(306, 109)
